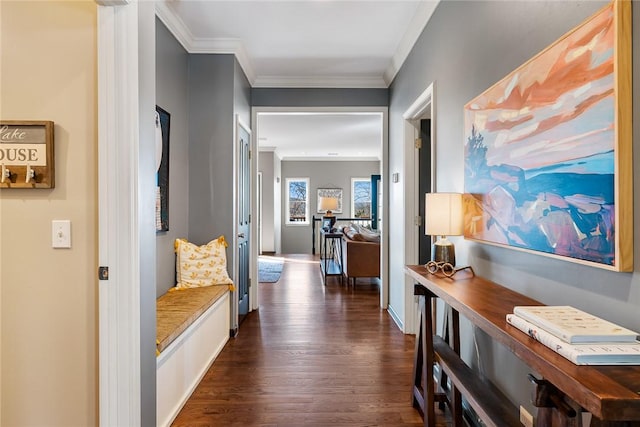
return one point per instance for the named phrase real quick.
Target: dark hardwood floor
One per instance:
(312, 355)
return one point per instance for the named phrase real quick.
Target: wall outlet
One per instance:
(525, 417)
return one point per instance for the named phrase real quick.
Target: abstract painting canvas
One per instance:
(548, 149)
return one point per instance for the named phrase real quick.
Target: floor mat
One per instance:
(269, 269)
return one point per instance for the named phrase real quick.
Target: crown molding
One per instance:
(175, 25)
(112, 2)
(266, 148)
(415, 28)
(192, 44)
(330, 159)
(325, 158)
(320, 82)
(195, 45)
(226, 46)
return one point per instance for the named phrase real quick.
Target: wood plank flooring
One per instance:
(312, 355)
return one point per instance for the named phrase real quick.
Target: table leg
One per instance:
(555, 409)
(423, 391)
(454, 343)
(339, 243)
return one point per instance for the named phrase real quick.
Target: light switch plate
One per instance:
(61, 233)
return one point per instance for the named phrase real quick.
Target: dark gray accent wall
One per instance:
(211, 122)
(297, 239)
(241, 94)
(172, 89)
(466, 47)
(312, 97)
(218, 91)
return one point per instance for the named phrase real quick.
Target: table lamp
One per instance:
(329, 204)
(443, 217)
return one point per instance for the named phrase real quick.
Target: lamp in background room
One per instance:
(443, 217)
(329, 204)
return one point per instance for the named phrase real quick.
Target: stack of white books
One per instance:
(580, 337)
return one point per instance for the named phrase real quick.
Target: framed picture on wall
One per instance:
(163, 121)
(330, 192)
(548, 149)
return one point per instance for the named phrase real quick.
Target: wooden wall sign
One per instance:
(26, 154)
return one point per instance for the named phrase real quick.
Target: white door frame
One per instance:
(259, 212)
(126, 201)
(422, 108)
(118, 137)
(384, 111)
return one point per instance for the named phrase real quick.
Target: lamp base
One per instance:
(444, 253)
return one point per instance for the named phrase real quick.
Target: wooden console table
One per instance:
(610, 393)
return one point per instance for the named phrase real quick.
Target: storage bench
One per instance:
(192, 327)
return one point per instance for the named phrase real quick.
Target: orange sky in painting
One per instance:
(544, 99)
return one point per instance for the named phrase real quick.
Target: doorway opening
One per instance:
(420, 145)
(329, 152)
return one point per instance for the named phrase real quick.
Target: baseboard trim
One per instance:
(395, 317)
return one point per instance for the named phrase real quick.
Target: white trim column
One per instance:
(118, 140)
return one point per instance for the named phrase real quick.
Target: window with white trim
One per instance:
(361, 198)
(297, 201)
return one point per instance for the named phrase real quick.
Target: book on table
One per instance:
(599, 353)
(574, 326)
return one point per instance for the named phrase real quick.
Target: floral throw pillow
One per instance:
(205, 265)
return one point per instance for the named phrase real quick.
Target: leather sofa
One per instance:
(360, 252)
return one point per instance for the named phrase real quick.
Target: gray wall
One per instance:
(266, 166)
(172, 95)
(296, 239)
(212, 89)
(211, 100)
(466, 47)
(203, 93)
(218, 91)
(241, 94)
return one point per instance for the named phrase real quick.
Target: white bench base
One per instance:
(181, 366)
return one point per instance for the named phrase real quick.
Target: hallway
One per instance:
(311, 355)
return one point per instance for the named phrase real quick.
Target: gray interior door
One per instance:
(244, 210)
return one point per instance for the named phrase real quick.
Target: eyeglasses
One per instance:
(446, 268)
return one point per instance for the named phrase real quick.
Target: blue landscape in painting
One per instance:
(540, 150)
(565, 209)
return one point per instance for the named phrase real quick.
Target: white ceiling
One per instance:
(322, 136)
(307, 43)
(303, 43)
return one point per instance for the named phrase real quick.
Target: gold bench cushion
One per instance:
(179, 308)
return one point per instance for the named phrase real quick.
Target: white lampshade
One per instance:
(328, 204)
(443, 214)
